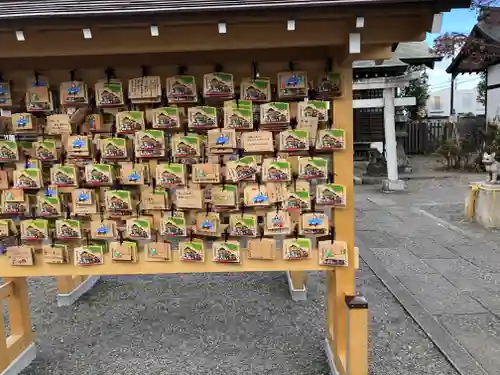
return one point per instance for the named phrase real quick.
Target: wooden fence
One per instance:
(424, 137)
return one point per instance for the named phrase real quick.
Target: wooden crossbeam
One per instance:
(142, 267)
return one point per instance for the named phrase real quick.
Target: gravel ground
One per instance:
(218, 324)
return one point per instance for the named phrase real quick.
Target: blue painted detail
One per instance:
(292, 81)
(133, 177)
(222, 140)
(276, 220)
(83, 197)
(207, 225)
(22, 121)
(49, 192)
(259, 198)
(78, 143)
(73, 90)
(102, 230)
(315, 221)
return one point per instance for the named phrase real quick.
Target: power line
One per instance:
(458, 81)
(448, 83)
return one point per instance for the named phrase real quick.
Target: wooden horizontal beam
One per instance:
(188, 59)
(228, 58)
(374, 52)
(161, 18)
(384, 82)
(142, 267)
(368, 52)
(379, 102)
(185, 38)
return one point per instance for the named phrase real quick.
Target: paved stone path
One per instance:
(450, 267)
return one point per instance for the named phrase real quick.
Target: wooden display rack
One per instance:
(322, 33)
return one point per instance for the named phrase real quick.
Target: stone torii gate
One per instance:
(389, 102)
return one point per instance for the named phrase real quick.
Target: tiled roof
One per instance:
(53, 8)
(12, 9)
(405, 54)
(369, 64)
(487, 32)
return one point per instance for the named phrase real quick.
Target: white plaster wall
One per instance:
(493, 96)
(493, 104)
(493, 75)
(441, 106)
(464, 102)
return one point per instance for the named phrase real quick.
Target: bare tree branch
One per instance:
(474, 49)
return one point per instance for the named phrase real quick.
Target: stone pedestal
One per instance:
(403, 161)
(486, 205)
(396, 185)
(377, 167)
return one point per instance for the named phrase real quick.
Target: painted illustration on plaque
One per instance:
(27, 178)
(276, 170)
(297, 249)
(226, 252)
(331, 139)
(68, 229)
(192, 251)
(245, 168)
(63, 176)
(313, 168)
(174, 226)
(129, 121)
(114, 148)
(294, 140)
(89, 255)
(118, 200)
(34, 229)
(99, 174)
(331, 195)
(9, 150)
(332, 253)
(243, 225)
(166, 118)
(168, 175)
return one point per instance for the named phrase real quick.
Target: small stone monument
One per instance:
(482, 203)
(377, 167)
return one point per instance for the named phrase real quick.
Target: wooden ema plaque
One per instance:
(116, 198)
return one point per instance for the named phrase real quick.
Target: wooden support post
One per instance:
(4, 359)
(357, 337)
(71, 288)
(18, 349)
(296, 279)
(65, 284)
(340, 282)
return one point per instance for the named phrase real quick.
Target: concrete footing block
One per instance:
(70, 298)
(297, 294)
(393, 185)
(21, 362)
(330, 358)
